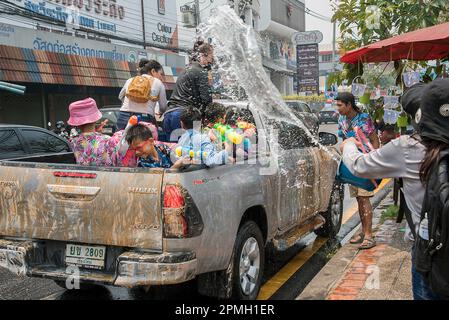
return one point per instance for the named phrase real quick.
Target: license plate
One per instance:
(91, 257)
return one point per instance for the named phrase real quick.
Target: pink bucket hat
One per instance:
(83, 112)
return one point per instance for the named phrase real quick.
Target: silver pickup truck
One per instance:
(137, 227)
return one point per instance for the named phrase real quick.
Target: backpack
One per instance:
(431, 257)
(139, 90)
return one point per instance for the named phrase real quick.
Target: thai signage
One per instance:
(120, 18)
(307, 37)
(308, 68)
(60, 43)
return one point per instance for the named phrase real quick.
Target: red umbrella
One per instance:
(424, 44)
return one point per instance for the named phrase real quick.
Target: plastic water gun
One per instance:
(123, 145)
(245, 125)
(189, 152)
(133, 120)
(360, 136)
(222, 128)
(228, 133)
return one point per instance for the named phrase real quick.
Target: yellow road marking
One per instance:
(280, 278)
(276, 282)
(382, 185)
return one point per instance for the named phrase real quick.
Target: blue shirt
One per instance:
(163, 162)
(361, 120)
(205, 151)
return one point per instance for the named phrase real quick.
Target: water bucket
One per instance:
(345, 176)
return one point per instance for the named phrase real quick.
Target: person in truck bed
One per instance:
(241, 122)
(197, 145)
(91, 147)
(214, 115)
(151, 155)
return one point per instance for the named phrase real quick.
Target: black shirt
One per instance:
(192, 89)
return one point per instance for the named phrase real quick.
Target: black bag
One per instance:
(431, 257)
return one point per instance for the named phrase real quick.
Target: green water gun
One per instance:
(228, 133)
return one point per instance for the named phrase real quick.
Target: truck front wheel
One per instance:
(333, 215)
(248, 262)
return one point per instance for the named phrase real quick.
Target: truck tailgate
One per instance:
(117, 207)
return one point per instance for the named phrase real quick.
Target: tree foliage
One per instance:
(356, 17)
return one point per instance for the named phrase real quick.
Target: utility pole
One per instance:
(334, 64)
(197, 13)
(143, 25)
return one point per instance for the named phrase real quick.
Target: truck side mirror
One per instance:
(328, 139)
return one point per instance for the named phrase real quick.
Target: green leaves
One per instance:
(396, 16)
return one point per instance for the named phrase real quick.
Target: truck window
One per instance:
(10, 146)
(291, 136)
(299, 106)
(41, 142)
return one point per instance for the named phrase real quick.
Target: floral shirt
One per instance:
(96, 149)
(164, 158)
(361, 120)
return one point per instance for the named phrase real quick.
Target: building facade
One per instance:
(275, 22)
(280, 20)
(328, 63)
(64, 50)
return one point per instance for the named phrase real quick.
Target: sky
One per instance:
(322, 7)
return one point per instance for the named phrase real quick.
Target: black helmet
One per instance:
(411, 101)
(433, 116)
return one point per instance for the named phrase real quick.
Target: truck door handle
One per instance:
(78, 193)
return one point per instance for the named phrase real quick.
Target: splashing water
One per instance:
(239, 61)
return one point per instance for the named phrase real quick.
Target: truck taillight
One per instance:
(173, 197)
(181, 216)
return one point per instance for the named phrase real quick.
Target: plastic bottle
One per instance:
(423, 229)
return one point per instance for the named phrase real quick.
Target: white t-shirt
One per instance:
(158, 89)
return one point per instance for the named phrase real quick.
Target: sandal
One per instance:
(370, 243)
(357, 239)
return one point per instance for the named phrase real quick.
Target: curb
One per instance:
(337, 267)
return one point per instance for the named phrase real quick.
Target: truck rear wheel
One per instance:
(248, 262)
(333, 215)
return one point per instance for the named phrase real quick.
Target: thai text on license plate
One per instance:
(91, 257)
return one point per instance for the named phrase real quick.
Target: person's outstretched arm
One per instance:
(386, 162)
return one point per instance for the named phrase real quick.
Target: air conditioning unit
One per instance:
(188, 16)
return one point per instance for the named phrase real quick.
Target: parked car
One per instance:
(110, 113)
(19, 141)
(136, 227)
(305, 114)
(328, 114)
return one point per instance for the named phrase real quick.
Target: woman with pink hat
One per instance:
(93, 148)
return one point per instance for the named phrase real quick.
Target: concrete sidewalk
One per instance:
(380, 273)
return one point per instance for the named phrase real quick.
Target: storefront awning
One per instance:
(277, 68)
(36, 66)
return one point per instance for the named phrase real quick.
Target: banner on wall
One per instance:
(20, 37)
